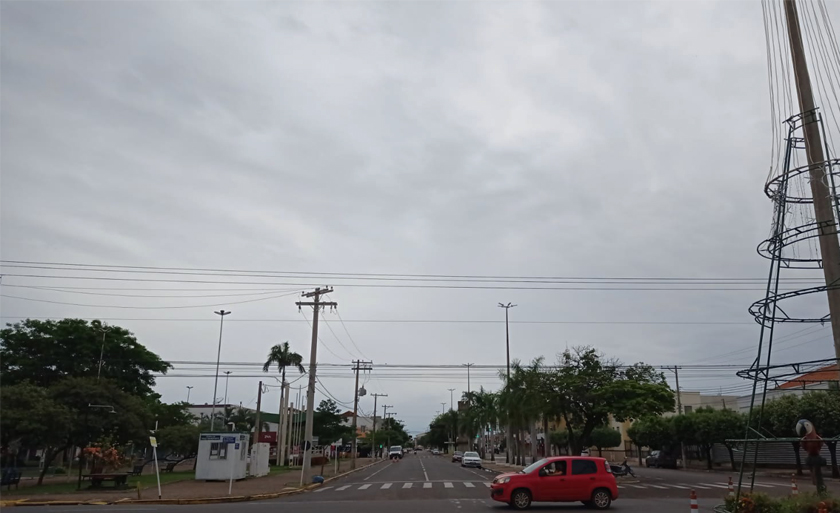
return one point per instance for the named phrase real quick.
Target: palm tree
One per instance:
(282, 356)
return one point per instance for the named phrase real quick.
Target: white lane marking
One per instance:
(378, 471)
(322, 489)
(407, 485)
(722, 485)
(487, 484)
(424, 471)
(448, 485)
(342, 488)
(764, 485)
(660, 487)
(385, 486)
(619, 486)
(364, 486)
(678, 486)
(637, 486)
(469, 485)
(697, 485)
(427, 485)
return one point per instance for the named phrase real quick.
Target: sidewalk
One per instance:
(276, 481)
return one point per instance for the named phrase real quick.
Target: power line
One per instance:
(147, 307)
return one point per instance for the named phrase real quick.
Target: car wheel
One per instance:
(520, 499)
(601, 499)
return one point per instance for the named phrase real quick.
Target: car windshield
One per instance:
(533, 466)
(396, 448)
(458, 453)
(471, 455)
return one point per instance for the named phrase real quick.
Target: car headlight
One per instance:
(503, 480)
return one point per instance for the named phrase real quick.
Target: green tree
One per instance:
(560, 440)
(328, 424)
(778, 420)
(604, 437)
(591, 388)
(393, 432)
(179, 440)
(45, 352)
(654, 432)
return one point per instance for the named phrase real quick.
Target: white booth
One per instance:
(259, 460)
(222, 456)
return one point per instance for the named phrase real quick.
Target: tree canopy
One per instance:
(45, 352)
(328, 424)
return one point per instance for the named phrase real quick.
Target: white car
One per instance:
(396, 451)
(471, 459)
(435, 452)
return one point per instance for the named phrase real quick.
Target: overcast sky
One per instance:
(582, 139)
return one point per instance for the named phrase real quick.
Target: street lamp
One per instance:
(227, 377)
(508, 437)
(189, 389)
(221, 314)
(451, 403)
(104, 330)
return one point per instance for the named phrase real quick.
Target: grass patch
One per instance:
(145, 481)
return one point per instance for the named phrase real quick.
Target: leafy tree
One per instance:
(179, 440)
(560, 440)
(328, 424)
(392, 433)
(282, 356)
(482, 416)
(779, 419)
(174, 414)
(591, 388)
(440, 429)
(604, 437)
(30, 417)
(654, 432)
(45, 352)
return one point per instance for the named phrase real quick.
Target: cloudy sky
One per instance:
(515, 139)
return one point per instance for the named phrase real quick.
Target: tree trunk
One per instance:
(798, 458)
(535, 455)
(832, 449)
(599, 452)
(731, 456)
(49, 456)
(546, 438)
(639, 447)
(708, 450)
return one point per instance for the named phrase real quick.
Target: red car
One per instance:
(558, 479)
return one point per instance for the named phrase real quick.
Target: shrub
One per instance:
(761, 503)
(60, 471)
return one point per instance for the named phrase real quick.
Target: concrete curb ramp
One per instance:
(202, 500)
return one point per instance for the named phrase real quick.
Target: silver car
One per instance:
(471, 459)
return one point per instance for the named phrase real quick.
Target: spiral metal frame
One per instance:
(770, 310)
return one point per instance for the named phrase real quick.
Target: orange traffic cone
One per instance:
(731, 488)
(823, 508)
(794, 490)
(694, 506)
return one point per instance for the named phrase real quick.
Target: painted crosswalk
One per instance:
(454, 485)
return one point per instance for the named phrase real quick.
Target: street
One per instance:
(422, 482)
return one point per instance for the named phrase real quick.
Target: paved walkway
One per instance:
(272, 483)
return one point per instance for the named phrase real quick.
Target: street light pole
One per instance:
(468, 365)
(189, 389)
(221, 314)
(105, 330)
(508, 434)
(451, 403)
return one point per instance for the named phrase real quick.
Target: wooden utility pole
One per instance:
(375, 397)
(258, 427)
(676, 370)
(820, 189)
(316, 305)
(359, 366)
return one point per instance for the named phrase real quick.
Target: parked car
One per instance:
(661, 459)
(435, 452)
(471, 459)
(457, 456)
(395, 451)
(558, 479)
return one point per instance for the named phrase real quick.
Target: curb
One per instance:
(352, 471)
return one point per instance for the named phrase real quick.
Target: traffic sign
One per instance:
(229, 439)
(153, 441)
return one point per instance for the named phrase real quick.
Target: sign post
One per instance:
(231, 453)
(153, 441)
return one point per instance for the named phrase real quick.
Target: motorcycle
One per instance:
(622, 470)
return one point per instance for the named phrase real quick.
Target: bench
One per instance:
(10, 477)
(169, 467)
(120, 480)
(137, 470)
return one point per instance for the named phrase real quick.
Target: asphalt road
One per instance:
(423, 483)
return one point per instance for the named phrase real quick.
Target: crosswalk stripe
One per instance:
(342, 488)
(364, 486)
(323, 489)
(385, 486)
(619, 486)
(660, 487)
(637, 486)
(448, 485)
(427, 485)
(697, 486)
(487, 484)
(407, 485)
(469, 485)
(680, 487)
(722, 485)
(764, 485)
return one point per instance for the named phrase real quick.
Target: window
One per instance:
(557, 468)
(218, 451)
(584, 467)
(687, 409)
(363, 429)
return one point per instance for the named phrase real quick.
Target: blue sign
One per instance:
(229, 439)
(236, 446)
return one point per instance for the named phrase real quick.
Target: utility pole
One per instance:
(189, 389)
(508, 434)
(676, 370)
(105, 330)
(258, 427)
(823, 213)
(359, 366)
(468, 365)
(451, 401)
(375, 397)
(227, 378)
(221, 314)
(316, 305)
